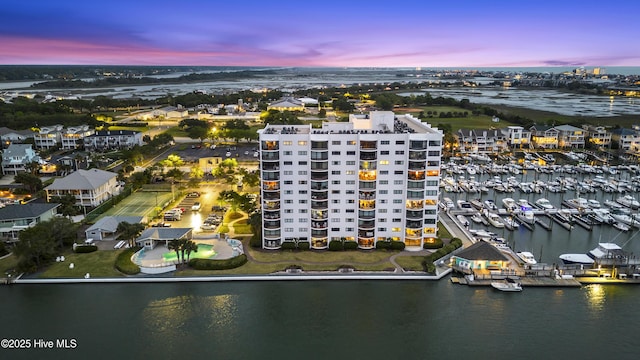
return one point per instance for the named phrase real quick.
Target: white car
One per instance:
(196, 206)
(228, 154)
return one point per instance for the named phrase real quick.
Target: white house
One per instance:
(16, 157)
(90, 187)
(48, 137)
(71, 136)
(15, 218)
(9, 136)
(154, 235)
(106, 227)
(112, 140)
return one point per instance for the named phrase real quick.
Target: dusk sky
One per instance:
(401, 33)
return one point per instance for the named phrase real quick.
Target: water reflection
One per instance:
(595, 295)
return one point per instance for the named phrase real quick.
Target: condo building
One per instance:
(374, 178)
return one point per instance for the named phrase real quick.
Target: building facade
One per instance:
(72, 137)
(48, 137)
(112, 140)
(374, 178)
(16, 157)
(90, 187)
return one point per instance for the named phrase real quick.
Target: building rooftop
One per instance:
(25, 211)
(82, 180)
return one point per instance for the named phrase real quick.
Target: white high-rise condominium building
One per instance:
(374, 178)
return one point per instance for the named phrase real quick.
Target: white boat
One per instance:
(463, 220)
(448, 203)
(606, 254)
(465, 205)
(628, 201)
(509, 204)
(581, 259)
(623, 215)
(477, 203)
(527, 257)
(526, 216)
(577, 203)
(490, 204)
(620, 226)
(603, 215)
(509, 223)
(494, 219)
(544, 204)
(563, 217)
(507, 285)
(476, 218)
(594, 204)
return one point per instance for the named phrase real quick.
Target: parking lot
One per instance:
(200, 219)
(241, 152)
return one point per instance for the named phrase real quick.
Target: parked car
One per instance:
(194, 194)
(196, 206)
(228, 154)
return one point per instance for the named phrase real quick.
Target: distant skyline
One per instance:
(403, 33)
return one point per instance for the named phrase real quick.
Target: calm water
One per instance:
(321, 320)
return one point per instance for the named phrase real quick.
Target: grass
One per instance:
(132, 128)
(176, 132)
(7, 264)
(100, 263)
(443, 232)
(410, 263)
(322, 257)
(242, 229)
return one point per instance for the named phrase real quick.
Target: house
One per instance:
(570, 136)
(9, 136)
(15, 218)
(112, 140)
(72, 136)
(16, 157)
(598, 135)
(628, 139)
(479, 257)
(287, 104)
(90, 187)
(168, 112)
(48, 137)
(544, 137)
(480, 141)
(517, 137)
(106, 228)
(153, 236)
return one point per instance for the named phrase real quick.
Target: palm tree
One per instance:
(129, 232)
(190, 246)
(183, 247)
(175, 245)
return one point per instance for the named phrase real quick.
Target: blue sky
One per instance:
(328, 33)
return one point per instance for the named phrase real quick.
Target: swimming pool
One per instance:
(205, 251)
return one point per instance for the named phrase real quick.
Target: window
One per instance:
(384, 152)
(302, 143)
(350, 192)
(302, 201)
(382, 220)
(288, 192)
(396, 220)
(351, 182)
(302, 191)
(395, 229)
(303, 229)
(288, 211)
(351, 152)
(302, 182)
(383, 201)
(351, 210)
(335, 211)
(351, 162)
(384, 162)
(302, 211)
(335, 172)
(432, 183)
(350, 219)
(397, 182)
(335, 153)
(288, 182)
(351, 201)
(398, 172)
(288, 162)
(384, 182)
(302, 163)
(288, 201)
(351, 142)
(287, 153)
(288, 229)
(286, 143)
(288, 172)
(302, 153)
(384, 172)
(399, 162)
(335, 142)
(288, 221)
(335, 201)
(349, 229)
(383, 192)
(431, 192)
(335, 182)
(335, 191)
(335, 163)
(397, 211)
(303, 220)
(400, 142)
(382, 229)
(399, 152)
(302, 172)
(397, 192)
(382, 211)
(397, 201)
(350, 172)
(384, 142)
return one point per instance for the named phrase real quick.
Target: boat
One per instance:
(620, 226)
(508, 285)
(526, 215)
(527, 257)
(577, 203)
(477, 203)
(623, 215)
(606, 254)
(494, 219)
(603, 215)
(594, 204)
(490, 204)
(509, 204)
(628, 201)
(465, 205)
(448, 203)
(563, 217)
(476, 218)
(544, 204)
(463, 220)
(509, 223)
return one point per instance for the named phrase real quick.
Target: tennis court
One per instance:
(140, 203)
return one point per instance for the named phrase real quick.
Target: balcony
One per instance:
(319, 233)
(415, 195)
(412, 214)
(416, 175)
(319, 195)
(319, 145)
(413, 233)
(366, 215)
(271, 205)
(271, 195)
(271, 186)
(270, 167)
(368, 155)
(417, 145)
(271, 176)
(272, 234)
(270, 145)
(367, 175)
(319, 242)
(366, 224)
(271, 215)
(272, 225)
(319, 166)
(319, 185)
(319, 175)
(414, 204)
(366, 204)
(367, 185)
(274, 156)
(368, 165)
(319, 156)
(413, 224)
(417, 155)
(319, 215)
(362, 195)
(271, 244)
(366, 242)
(417, 165)
(368, 145)
(319, 224)
(319, 204)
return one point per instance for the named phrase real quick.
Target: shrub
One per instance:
(211, 264)
(303, 245)
(350, 245)
(255, 241)
(436, 244)
(336, 246)
(81, 249)
(288, 245)
(124, 263)
(382, 245)
(397, 245)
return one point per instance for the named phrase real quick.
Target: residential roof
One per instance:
(482, 250)
(82, 180)
(6, 131)
(162, 233)
(568, 128)
(113, 133)
(623, 131)
(16, 150)
(287, 102)
(25, 211)
(110, 223)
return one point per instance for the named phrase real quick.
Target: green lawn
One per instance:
(98, 264)
(176, 132)
(132, 128)
(411, 263)
(7, 264)
(323, 257)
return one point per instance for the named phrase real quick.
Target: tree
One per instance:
(189, 247)
(198, 132)
(30, 181)
(32, 168)
(173, 161)
(40, 244)
(129, 232)
(67, 204)
(175, 245)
